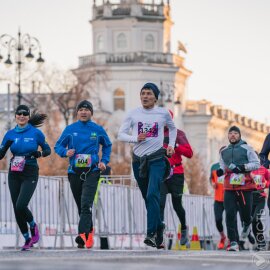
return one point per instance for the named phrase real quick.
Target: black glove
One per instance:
(4, 149)
(220, 172)
(35, 154)
(239, 169)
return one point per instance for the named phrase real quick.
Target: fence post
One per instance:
(62, 212)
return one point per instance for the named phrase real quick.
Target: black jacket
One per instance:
(265, 152)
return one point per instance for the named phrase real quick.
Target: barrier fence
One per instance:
(119, 215)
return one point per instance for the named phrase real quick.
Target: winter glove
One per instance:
(220, 172)
(239, 169)
(35, 154)
(4, 148)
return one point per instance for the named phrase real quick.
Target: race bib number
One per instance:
(220, 179)
(258, 180)
(17, 164)
(237, 179)
(83, 161)
(151, 129)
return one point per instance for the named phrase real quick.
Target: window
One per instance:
(119, 99)
(149, 42)
(100, 43)
(121, 41)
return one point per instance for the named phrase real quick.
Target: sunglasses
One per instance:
(24, 113)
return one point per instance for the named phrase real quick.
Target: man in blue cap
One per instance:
(150, 165)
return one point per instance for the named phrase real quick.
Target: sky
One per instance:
(227, 41)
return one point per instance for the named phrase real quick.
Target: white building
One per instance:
(131, 46)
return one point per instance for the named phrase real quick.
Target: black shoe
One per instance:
(159, 238)
(242, 245)
(150, 240)
(80, 242)
(251, 239)
(261, 247)
(246, 230)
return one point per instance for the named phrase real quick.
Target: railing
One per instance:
(128, 57)
(119, 215)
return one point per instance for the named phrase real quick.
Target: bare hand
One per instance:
(101, 166)
(70, 152)
(170, 151)
(214, 185)
(141, 137)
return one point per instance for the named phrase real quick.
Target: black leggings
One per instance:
(22, 186)
(84, 194)
(258, 215)
(218, 210)
(232, 200)
(175, 186)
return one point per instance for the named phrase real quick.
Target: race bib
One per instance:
(83, 161)
(220, 179)
(258, 180)
(151, 129)
(237, 179)
(17, 164)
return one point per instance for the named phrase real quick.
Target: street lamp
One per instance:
(16, 47)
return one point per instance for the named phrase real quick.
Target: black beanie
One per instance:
(85, 104)
(22, 108)
(236, 129)
(153, 87)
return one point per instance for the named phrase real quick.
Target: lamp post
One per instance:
(15, 48)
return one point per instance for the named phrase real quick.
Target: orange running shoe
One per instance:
(90, 240)
(221, 243)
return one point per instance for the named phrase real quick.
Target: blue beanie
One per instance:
(152, 87)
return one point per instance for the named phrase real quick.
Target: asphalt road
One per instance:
(139, 260)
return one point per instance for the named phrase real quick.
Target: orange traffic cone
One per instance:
(195, 242)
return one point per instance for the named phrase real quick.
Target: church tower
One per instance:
(132, 46)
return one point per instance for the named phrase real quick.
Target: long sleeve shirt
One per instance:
(265, 152)
(85, 138)
(149, 121)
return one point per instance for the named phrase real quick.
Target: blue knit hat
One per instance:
(152, 87)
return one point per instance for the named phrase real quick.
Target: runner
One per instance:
(217, 184)
(80, 142)
(261, 177)
(237, 160)
(150, 166)
(23, 142)
(174, 184)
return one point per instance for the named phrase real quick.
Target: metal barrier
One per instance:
(119, 215)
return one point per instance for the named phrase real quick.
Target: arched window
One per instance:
(119, 99)
(100, 43)
(149, 42)
(121, 41)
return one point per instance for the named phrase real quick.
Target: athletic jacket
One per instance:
(239, 154)
(261, 178)
(265, 152)
(25, 141)
(182, 148)
(85, 138)
(219, 189)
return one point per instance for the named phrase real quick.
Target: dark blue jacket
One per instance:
(265, 152)
(26, 141)
(85, 138)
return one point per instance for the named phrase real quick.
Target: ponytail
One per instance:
(37, 119)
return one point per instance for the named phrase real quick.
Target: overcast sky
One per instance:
(228, 43)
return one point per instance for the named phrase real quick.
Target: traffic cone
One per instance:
(195, 242)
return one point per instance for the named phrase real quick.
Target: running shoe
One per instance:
(35, 234)
(246, 230)
(159, 238)
(27, 245)
(79, 241)
(184, 237)
(221, 243)
(233, 247)
(150, 240)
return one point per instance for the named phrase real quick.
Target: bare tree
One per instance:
(196, 175)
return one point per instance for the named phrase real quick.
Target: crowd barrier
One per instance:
(119, 215)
